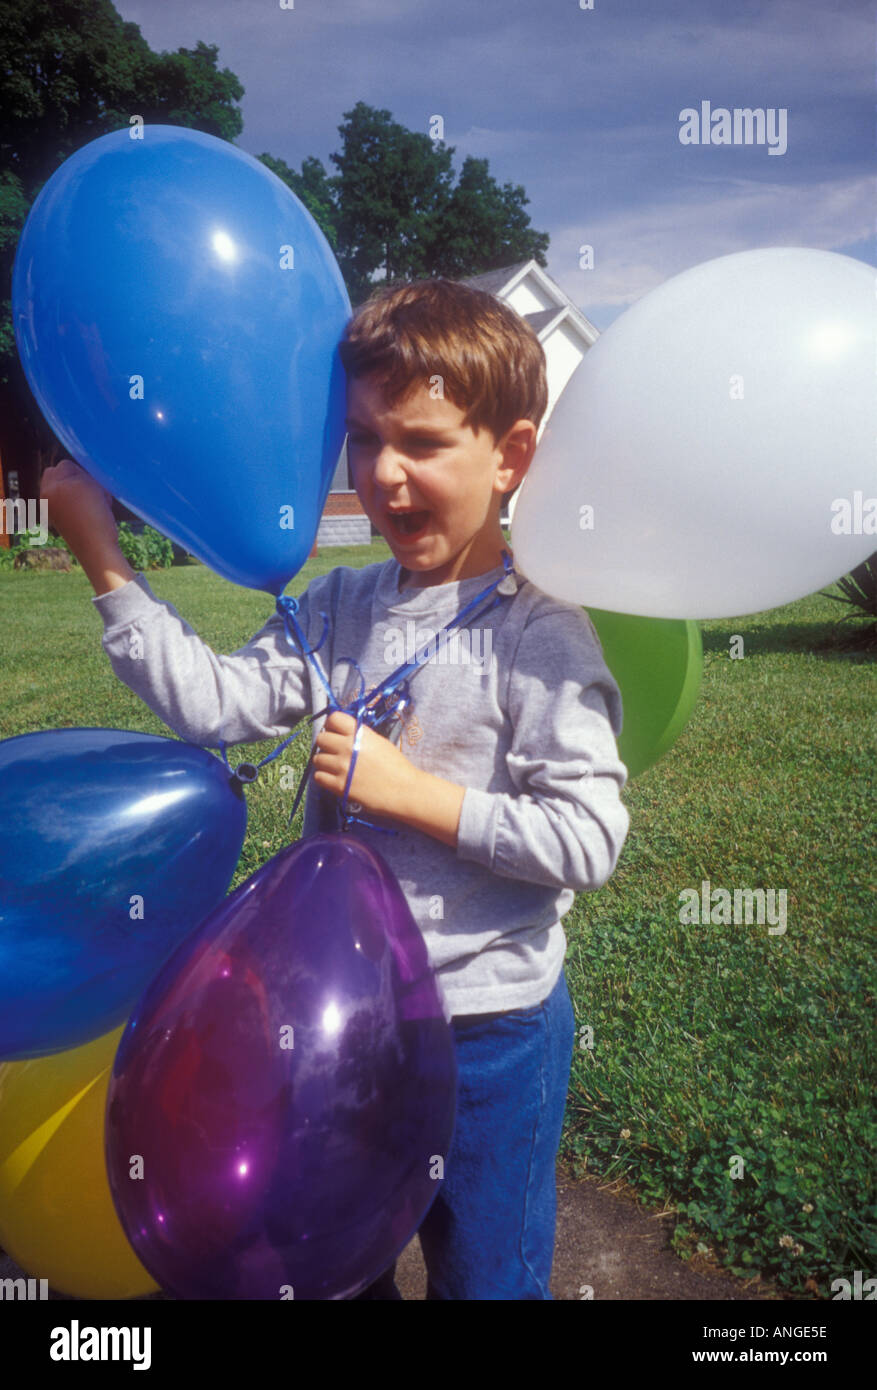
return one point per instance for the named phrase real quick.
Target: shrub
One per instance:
(859, 589)
(148, 551)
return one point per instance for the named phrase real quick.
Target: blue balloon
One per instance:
(177, 312)
(115, 845)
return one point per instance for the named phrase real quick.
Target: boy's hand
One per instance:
(78, 506)
(382, 778)
(82, 511)
(385, 782)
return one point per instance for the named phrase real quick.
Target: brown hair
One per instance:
(491, 362)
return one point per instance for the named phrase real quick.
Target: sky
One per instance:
(582, 107)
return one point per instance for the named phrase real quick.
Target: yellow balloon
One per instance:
(57, 1218)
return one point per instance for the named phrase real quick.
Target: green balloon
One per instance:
(657, 663)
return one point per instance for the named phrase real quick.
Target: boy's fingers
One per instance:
(339, 723)
(331, 743)
(334, 761)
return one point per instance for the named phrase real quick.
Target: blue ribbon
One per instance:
(378, 708)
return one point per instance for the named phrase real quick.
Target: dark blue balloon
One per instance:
(93, 820)
(178, 260)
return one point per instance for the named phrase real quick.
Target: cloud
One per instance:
(581, 108)
(636, 249)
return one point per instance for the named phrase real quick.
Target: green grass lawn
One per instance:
(731, 1070)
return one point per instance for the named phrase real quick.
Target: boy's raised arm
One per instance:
(258, 692)
(82, 511)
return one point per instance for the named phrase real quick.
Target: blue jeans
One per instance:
(489, 1234)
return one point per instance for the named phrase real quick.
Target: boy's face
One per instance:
(416, 458)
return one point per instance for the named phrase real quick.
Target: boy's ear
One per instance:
(518, 447)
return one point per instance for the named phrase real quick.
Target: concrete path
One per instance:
(609, 1244)
(605, 1242)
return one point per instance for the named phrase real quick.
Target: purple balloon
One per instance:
(289, 1079)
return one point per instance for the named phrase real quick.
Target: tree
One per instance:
(484, 225)
(392, 185)
(397, 210)
(13, 211)
(71, 70)
(314, 187)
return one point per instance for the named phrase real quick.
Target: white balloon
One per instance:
(724, 433)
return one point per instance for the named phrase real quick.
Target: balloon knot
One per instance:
(245, 772)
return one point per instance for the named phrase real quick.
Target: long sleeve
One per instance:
(257, 692)
(565, 823)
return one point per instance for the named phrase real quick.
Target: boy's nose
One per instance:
(389, 467)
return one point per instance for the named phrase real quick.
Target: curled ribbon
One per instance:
(379, 708)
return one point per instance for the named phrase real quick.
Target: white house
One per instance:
(562, 329)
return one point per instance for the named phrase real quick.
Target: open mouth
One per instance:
(408, 525)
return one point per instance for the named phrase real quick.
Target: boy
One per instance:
(504, 790)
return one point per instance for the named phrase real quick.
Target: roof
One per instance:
(542, 319)
(494, 280)
(490, 280)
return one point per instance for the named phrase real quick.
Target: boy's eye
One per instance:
(362, 438)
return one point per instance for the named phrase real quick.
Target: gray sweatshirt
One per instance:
(521, 710)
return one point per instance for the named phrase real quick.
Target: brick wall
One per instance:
(344, 530)
(343, 504)
(343, 521)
